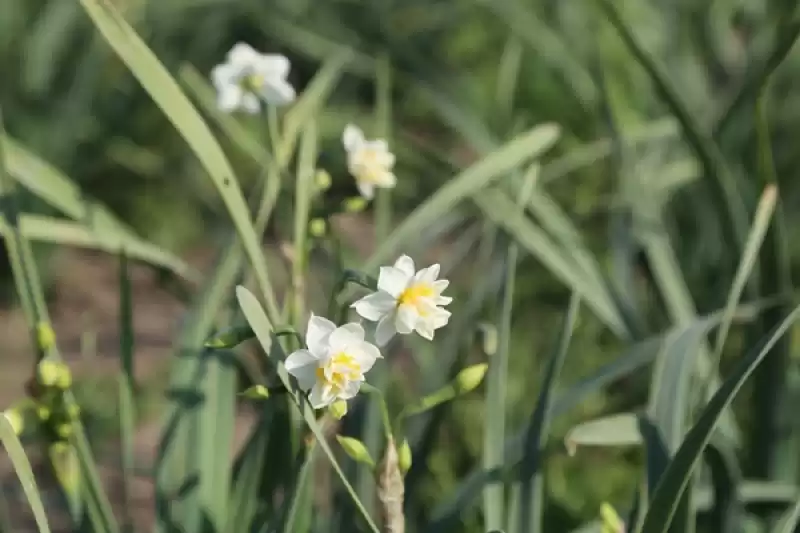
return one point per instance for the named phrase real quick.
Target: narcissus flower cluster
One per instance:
(249, 79)
(332, 366)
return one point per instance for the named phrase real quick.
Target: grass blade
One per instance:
(499, 208)
(95, 219)
(761, 223)
(166, 93)
(678, 474)
(127, 386)
(523, 148)
(22, 467)
(790, 520)
(532, 488)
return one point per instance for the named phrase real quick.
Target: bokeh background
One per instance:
(466, 74)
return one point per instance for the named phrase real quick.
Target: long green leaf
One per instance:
(499, 208)
(761, 223)
(127, 386)
(22, 467)
(166, 93)
(525, 147)
(531, 518)
(677, 476)
(790, 520)
(92, 218)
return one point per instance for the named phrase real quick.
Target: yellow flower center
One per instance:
(338, 371)
(252, 83)
(413, 294)
(369, 168)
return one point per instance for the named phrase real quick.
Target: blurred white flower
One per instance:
(406, 301)
(370, 162)
(248, 76)
(333, 366)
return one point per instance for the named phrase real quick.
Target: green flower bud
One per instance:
(611, 521)
(469, 378)
(322, 180)
(64, 431)
(43, 412)
(355, 204)
(256, 392)
(338, 409)
(404, 456)
(356, 450)
(45, 336)
(317, 227)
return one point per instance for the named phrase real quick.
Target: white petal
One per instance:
(366, 189)
(250, 103)
(375, 306)
(442, 300)
(406, 264)
(278, 92)
(318, 332)
(348, 335)
(229, 98)
(393, 280)
(243, 55)
(350, 389)
(406, 320)
(352, 138)
(224, 75)
(439, 318)
(385, 330)
(366, 354)
(440, 285)
(320, 396)
(274, 65)
(303, 365)
(428, 275)
(386, 180)
(425, 329)
(379, 146)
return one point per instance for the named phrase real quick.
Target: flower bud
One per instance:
(404, 456)
(45, 336)
(469, 378)
(356, 450)
(355, 205)
(322, 180)
(338, 409)
(317, 227)
(256, 392)
(43, 413)
(611, 521)
(64, 431)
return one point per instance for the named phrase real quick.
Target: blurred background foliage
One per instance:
(466, 74)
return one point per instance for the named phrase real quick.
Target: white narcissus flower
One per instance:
(370, 162)
(406, 301)
(333, 365)
(248, 76)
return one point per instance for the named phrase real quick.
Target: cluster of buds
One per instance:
(54, 413)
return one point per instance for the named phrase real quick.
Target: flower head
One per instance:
(248, 76)
(406, 301)
(333, 365)
(370, 162)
